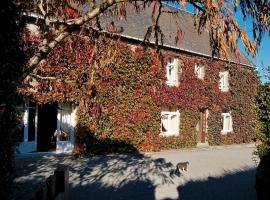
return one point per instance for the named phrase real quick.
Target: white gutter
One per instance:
(185, 50)
(39, 16)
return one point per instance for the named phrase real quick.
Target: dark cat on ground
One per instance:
(181, 166)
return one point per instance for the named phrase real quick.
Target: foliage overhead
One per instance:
(263, 148)
(215, 17)
(263, 125)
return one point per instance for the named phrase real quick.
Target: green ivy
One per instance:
(120, 93)
(263, 125)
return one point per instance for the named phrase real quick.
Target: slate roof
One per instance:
(135, 27)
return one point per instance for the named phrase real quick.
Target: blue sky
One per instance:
(263, 55)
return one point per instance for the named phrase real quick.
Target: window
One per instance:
(27, 127)
(170, 122)
(21, 119)
(199, 71)
(171, 71)
(32, 118)
(224, 81)
(227, 123)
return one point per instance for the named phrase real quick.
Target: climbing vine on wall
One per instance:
(263, 125)
(120, 90)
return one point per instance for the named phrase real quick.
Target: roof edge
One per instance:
(254, 67)
(184, 50)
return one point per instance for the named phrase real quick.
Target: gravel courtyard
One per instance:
(226, 172)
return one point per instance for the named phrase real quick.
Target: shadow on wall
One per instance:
(87, 143)
(233, 186)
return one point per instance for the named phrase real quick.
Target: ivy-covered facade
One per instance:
(97, 93)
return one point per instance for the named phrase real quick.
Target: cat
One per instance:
(181, 166)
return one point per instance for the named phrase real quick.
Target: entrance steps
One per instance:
(203, 145)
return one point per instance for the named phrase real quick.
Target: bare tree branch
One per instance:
(36, 76)
(44, 49)
(42, 77)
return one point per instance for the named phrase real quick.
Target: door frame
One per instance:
(31, 146)
(202, 132)
(27, 146)
(65, 146)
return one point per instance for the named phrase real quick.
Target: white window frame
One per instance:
(224, 117)
(224, 81)
(25, 145)
(199, 71)
(170, 132)
(172, 77)
(26, 120)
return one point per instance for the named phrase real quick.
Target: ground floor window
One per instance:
(28, 121)
(170, 122)
(227, 123)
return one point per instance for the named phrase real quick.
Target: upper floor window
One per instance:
(170, 122)
(227, 123)
(224, 81)
(172, 72)
(199, 71)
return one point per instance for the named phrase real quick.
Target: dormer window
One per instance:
(171, 71)
(224, 81)
(199, 71)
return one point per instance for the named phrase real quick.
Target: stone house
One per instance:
(51, 126)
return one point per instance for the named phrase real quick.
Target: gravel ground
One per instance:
(226, 172)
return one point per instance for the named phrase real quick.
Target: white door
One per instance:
(66, 123)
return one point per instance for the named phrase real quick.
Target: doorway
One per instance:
(47, 124)
(202, 126)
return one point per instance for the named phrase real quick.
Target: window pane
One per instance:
(201, 72)
(196, 69)
(164, 123)
(226, 80)
(174, 124)
(66, 126)
(171, 60)
(20, 125)
(21, 131)
(222, 81)
(31, 123)
(169, 122)
(171, 73)
(226, 124)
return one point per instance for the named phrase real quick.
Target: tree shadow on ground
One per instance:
(128, 176)
(233, 186)
(131, 190)
(113, 176)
